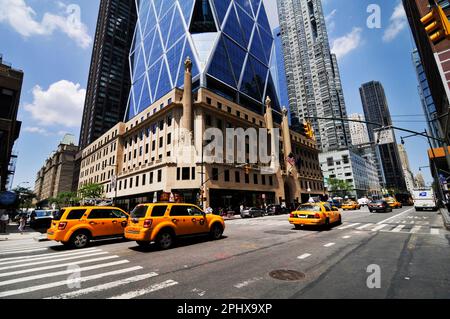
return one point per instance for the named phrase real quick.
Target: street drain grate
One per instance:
(287, 275)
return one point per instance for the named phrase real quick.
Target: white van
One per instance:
(424, 199)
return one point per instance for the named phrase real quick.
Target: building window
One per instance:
(227, 175)
(137, 181)
(270, 180)
(208, 101)
(144, 177)
(215, 174)
(159, 176)
(131, 182)
(193, 175)
(161, 142)
(151, 178)
(178, 173)
(237, 176)
(247, 179)
(185, 174)
(255, 179)
(263, 180)
(169, 139)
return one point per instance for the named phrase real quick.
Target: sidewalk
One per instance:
(446, 217)
(12, 233)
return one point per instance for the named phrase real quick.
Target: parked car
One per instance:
(41, 219)
(379, 206)
(252, 212)
(77, 226)
(275, 210)
(162, 223)
(317, 214)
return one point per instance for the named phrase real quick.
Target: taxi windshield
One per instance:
(309, 208)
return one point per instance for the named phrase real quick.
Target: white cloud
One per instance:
(62, 104)
(347, 43)
(21, 18)
(36, 130)
(398, 22)
(329, 19)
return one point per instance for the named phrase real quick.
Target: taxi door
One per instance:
(199, 223)
(101, 222)
(119, 222)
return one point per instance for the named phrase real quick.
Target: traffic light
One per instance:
(309, 130)
(436, 24)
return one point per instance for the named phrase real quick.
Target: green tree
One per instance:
(91, 191)
(65, 199)
(339, 186)
(25, 196)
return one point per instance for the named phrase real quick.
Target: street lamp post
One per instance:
(116, 173)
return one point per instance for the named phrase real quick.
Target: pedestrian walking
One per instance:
(4, 220)
(22, 222)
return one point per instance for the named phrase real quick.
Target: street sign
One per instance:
(384, 136)
(7, 198)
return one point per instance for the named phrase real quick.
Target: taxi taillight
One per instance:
(148, 223)
(317, 216)
(291, 216)
(62, 226)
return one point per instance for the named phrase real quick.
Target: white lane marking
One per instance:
(379, 227)
(60, 273)
(434, 231)
(78, 262)
(141, 292)
(66, 282)
(304, 256)
(416, 229)
(11, 260)
(384, 221)
(31, 246)
(349, 226)
(329, 245)
(104, 287)
(347, 237)
(34, 263)
(22, 251)
(398, 228)
(247, 282)
(364, 226)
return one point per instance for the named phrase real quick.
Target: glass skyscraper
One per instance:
(229, 41)
(280, 69)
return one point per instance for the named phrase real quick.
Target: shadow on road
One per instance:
(180, 242)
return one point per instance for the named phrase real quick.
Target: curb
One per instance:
(445, 218)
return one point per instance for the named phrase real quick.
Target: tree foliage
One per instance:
(91, 191)
(339, 186)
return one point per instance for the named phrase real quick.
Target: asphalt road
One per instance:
(404, 254)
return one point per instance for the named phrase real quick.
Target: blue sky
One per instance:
(46, 39)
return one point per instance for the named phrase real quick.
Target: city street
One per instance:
(257, 258)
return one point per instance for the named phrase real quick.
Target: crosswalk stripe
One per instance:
(11, 260)
(141, 292)
(416, 229)
(304, 256)
(364, 226)
(64, 272)
(34, 263)
(104, 287)
(329, 245)
(66, 282)
(398, 228)
(73, 263)
(379, 227)
(349, 226)
(22, 251)
(434, 231)
(24, 246)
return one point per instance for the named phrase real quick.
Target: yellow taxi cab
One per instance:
(162, 223)
(393, 202)
(77, 226)
(315, 214)
(351, 205)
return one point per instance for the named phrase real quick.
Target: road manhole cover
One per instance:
(287, 275)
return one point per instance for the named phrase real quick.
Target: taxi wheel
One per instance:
(339, 222)
(327, 224)
(216, 232)
(80, 239)
(165, 240)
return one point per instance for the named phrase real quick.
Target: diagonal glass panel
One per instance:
(267, 41)
(173, 59)
(249, 84)
(177, 31)
(263, 21)
(255, 5)
(131, 105)
(140, 64)
(271, 92)
(146, 99)
(220, 65)
(164, 84)
(260, 74)
(158, 5)
(221, 9)
(247, 25)
(202, 18)
(157, 50)
(138, 89)
(186, 7)
(257, 49)
(151, 20)
(153, 74)
(148, 42)
(195, 70)
(166, 5)
(165, 26)
(245, 4)
(237, 57)
(233, 28)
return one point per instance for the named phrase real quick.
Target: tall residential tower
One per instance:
(109, 75)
